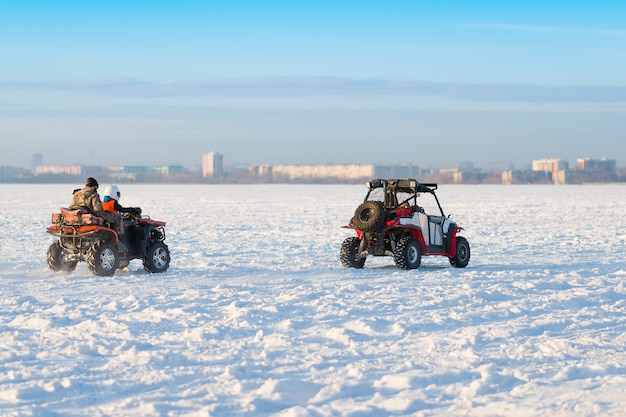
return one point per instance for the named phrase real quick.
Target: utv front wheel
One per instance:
(462, 255)
(157, 257)
(349, 251)
(407, 254)
(102, 259)
(56, 260)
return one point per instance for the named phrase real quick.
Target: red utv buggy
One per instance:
(390, 222)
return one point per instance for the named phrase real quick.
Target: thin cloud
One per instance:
(110, 86)
(303, 87)
(542, 29)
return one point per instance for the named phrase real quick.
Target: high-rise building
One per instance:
(36, 160)
(550, 164)
(597, 165)
(212, 164)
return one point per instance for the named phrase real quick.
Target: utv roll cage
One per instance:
(392, 187)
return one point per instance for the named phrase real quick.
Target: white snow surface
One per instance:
(257, 317)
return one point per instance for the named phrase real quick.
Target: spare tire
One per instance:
(369, 216)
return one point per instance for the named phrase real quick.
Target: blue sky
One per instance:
(432, 83)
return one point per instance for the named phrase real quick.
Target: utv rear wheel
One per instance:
(102, 258)
(462, 255)
(407, 254)
(56, 260)
(157, 257)
(369, 216)
(349, 251)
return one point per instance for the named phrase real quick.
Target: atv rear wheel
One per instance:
(349, 250)
(157, 257)
(407, 254)
(369, 216)
(56, 260)
(102, 258)
(462, 255)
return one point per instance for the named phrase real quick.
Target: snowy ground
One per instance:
(256, 316)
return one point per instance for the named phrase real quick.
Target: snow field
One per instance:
(256, 316)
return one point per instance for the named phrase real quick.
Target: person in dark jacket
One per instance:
(87, 198)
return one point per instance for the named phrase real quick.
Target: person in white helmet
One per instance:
(111, 202)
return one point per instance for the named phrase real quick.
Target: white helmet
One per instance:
(113, 192)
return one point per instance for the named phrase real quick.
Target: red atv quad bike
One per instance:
(84, 237)
(391, 223)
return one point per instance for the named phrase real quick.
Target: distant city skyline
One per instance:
(437, 84)
(213, 164)
(542, 171)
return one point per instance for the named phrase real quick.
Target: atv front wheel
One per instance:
(349, 250)
(102, 258)
(56, 260)
(407, 254)
(369, 216)
(157, 257)
(462, 255)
